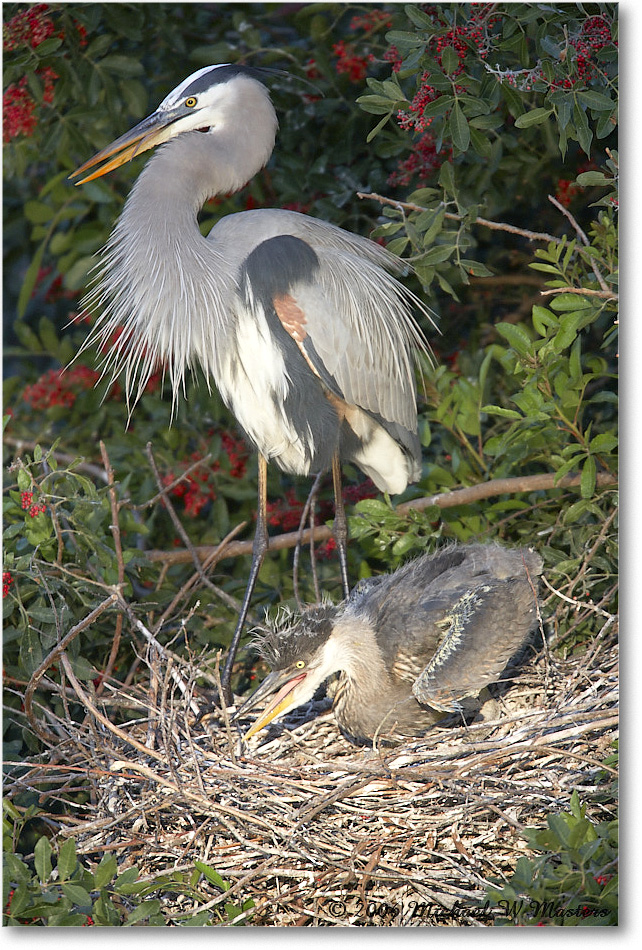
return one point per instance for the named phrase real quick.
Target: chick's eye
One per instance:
(299, 664)
(190, 102)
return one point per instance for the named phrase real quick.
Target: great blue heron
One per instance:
(306, 334)
(409, 646)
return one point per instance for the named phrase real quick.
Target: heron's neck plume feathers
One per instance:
(163, 291)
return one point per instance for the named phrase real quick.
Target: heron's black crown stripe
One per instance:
(221, 74)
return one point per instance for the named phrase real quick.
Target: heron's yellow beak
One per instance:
(276, 706)
(150, 132)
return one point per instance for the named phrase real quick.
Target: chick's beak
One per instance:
(283, 683)
(148, 133)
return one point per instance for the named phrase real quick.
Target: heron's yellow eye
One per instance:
(190, 102)
(300, 664)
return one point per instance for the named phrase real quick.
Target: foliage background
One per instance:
(457, 115)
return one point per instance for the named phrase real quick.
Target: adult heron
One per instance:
(408, 646)
(302, 326)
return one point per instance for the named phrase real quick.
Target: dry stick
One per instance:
(115, 530)
(493, 225)
(579, 604)
(585, 291)
(222, 595)
(223, 707)
(210, 804)
(87, 703)
(450, 499)
(163, 652)
(57, 651)
(210, 560)
(598, 541)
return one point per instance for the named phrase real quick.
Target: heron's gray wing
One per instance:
(358, 331)
(483, 629)
(461, 612)
(351, 318)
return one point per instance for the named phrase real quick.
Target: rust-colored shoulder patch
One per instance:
(291, 316)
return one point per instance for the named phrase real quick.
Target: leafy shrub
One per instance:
(490, 164)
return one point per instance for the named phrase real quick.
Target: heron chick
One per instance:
(408, 646)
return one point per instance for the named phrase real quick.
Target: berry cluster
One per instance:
(60, 387)
(371, 21)
(29, 28)
(392, 55)
(565, 191)
(18, 107)
(350, 63)
(17, 111)
(414, 119)
(422, 163)
(593, 36)
(7, 581)
(27, 504)
(286, 512)
(198, 487)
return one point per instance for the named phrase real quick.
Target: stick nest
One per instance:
(315, 830)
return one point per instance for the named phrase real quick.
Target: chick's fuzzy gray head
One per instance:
(281, 643)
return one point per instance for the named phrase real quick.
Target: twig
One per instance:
(458, 496)
(57, 651)
(308, 509)
(87, 703)
(194, 555)
(578, 604)
(484, 222)
(583, 291)
(115, 530)
(583, 238)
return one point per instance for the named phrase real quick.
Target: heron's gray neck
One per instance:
(161, 284)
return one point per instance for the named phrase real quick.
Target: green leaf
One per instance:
(105, 871)
(29, 282)
(122, 65)
(447, 178)
(459, 127)
(517, 337)
(404, 39)
(417, 16)
(449, 60)
(480, 142)
(584, 133)
(37, 212)
(593, 179)
(534, 117)
(604, 442)
(42, 859)
(77, 894)
(501, 411)
(570, 302)
(588, 478)
(378, 127)
(144, 909)
(596, 101)
(438, 253)
(212, 876)
(67, 860)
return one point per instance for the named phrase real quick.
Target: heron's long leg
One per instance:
(340, 527)
(259, 548)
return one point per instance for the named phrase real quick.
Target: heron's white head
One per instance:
(303, 656)
(212, 99)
